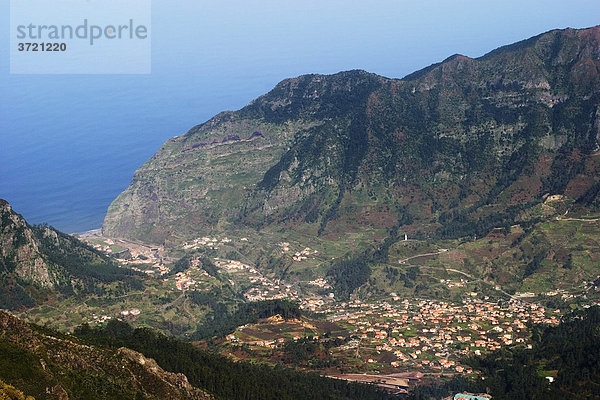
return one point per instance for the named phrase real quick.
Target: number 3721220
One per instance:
(42, 47)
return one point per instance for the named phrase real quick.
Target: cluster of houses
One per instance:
(267, 289)
(313, 304)
(262, 288)
(271, 344)
(145, 263)
(434, 334)
(152, 267)
(183, 281)
(234, 265)
(100, 319)
(425, 334)
(320, 282)
(133, 312)
(209, 242)
(258, 294)
(103, 247)
(299, 255)
(303, 254)
(452, 284)
(285, 247)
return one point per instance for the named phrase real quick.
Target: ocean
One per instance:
(70, 145)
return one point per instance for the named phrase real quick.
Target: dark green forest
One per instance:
(348, 275)
(219, 375)
(224, 322)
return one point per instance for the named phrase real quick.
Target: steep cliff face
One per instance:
(450, 150)
(19, 250)
(200, 179)
(26, 273)
(38, 260)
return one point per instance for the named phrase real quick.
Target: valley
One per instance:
(432, 233)
(423, 310)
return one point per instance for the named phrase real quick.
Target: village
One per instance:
(431, 335)
(419, 335)
(385, 335)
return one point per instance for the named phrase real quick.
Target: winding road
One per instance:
(423, 255)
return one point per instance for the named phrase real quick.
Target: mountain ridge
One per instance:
(452, 138)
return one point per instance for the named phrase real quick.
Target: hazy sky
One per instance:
(212, 56)
(392, 38)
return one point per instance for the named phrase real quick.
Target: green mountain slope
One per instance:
(544, 251)
(38, 261)
(48, 365)
(93, 364)
(453, 150)
(224, 378)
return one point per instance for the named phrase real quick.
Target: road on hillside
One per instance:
(423, 255)
(454, 270)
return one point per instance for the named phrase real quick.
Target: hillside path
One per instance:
(422, 255)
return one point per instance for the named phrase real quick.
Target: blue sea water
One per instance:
(73, 147)
(69, 144)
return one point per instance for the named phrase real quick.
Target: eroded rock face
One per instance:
(11, 323)
(439, 143)
(178, 380)
(38, 261)
(19, 249)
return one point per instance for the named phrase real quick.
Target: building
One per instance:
(471, 396)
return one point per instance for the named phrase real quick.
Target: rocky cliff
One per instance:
(452, 150)
(20, 249)
(36, 261)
